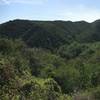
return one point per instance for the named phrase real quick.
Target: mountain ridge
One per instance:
(63, 31)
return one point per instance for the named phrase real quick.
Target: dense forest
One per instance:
(49, 60)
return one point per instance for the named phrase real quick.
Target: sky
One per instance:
(73, 10)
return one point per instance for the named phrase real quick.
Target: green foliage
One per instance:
(48, 60)
(72, 51)
(96, 93)
(6, 72)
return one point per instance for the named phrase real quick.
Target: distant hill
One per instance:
(51, 34)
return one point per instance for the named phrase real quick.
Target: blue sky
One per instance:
(74, 10)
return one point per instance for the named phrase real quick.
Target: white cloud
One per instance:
(4, 2)
(23, 1)
(80, 13)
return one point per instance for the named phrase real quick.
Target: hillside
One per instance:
(49, 60)
(44, 34)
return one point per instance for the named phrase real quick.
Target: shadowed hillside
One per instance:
(48, 34)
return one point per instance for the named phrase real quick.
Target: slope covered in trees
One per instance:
(49, 60)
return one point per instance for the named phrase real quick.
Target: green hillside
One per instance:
(43, 34)
(49, 60)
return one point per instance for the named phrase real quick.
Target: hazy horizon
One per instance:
(50, 10)
(49, 20)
